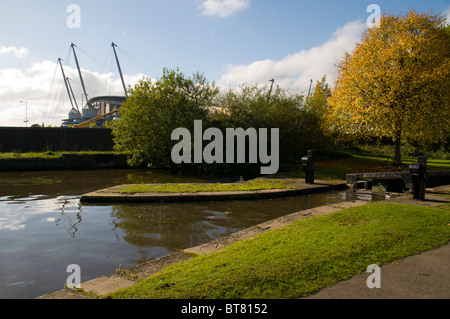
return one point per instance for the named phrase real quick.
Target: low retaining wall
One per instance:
(30, 164)
(42, 139)
(66, 161)
(75, 161)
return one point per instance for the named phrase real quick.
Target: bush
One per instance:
(154, 110)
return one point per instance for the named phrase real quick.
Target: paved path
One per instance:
(423, 276)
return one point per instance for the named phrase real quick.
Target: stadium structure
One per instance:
(97, 110)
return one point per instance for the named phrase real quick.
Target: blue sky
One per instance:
(230, 41)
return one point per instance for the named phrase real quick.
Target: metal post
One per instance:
(74, 99)
(79, 73)
(422, 160)
(120, 69)
(271, 88)
(65, 81)
(418, 178)
(26, 113)
(308, 167)
(310, 86)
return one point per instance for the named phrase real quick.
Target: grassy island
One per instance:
(253, 185)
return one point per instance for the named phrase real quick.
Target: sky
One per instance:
(231, 42)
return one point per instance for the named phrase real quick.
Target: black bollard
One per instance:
(418, 178)
(308, 167)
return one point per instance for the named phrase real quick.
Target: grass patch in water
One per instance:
(253, 185)
(302, 258)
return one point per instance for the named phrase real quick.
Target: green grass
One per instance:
(302, 258)
(437, 164)
(253, 185)
(45, 155)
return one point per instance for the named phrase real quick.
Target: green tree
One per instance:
(154, 109)
(316, 106)
(318, 101)
(253, 106)
(396, 83)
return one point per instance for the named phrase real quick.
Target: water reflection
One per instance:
(71, 213)
(173, 226)
(182, 225)
(51, 184)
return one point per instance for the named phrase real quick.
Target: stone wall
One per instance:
(39, 139)
(66, 161)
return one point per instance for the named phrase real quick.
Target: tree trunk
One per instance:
(398, 155)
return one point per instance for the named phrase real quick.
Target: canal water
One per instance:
(44, 228)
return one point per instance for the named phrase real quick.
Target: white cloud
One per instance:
(223, 8)
(447, 14)
(42, 87)
(295, 71)
(17, 52)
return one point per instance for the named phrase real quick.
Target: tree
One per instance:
(154, 109)
(258, 107)
(396, 83)
(318, 101)
(316, 107)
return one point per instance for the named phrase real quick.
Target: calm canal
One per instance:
(44, 228)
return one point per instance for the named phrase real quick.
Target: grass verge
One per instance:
(302, 258)
(45, 155)
(253, 185)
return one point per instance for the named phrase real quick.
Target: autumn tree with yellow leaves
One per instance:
(395, 83)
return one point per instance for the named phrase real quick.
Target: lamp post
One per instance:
(26, 113)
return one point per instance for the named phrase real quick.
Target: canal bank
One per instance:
(127, 278)
(65, 162)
